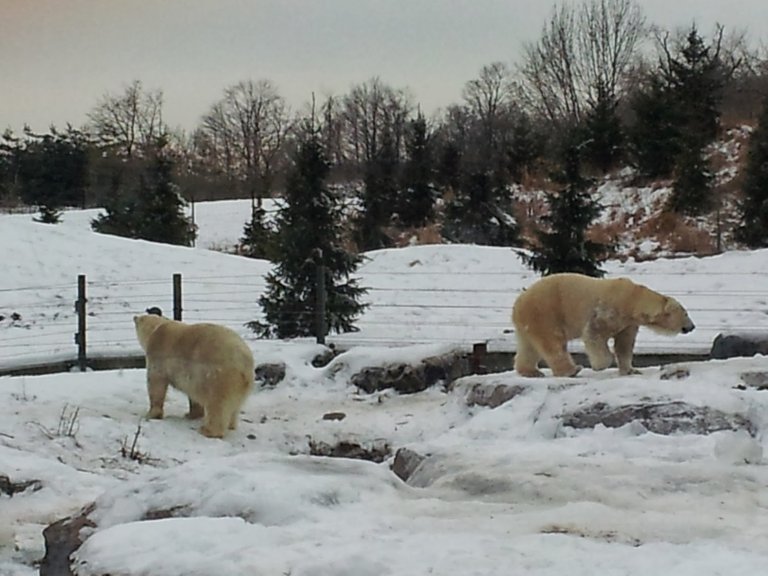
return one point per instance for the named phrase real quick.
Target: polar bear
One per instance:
(563, 307)
(208, 362)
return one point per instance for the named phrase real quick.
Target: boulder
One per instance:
(660, 418)
(406, 462)
(742, 344)
(492, 395)
(377, 452)
(269, 375)
(409, 379)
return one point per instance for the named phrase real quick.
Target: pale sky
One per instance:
(58, 57)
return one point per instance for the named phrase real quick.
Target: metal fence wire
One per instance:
(92, 318)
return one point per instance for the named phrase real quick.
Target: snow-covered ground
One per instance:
(505, 490)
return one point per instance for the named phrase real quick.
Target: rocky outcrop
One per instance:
(377, 452)
(492, 395)
(409, 379)
(660, 417)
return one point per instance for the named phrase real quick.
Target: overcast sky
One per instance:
(58, 57)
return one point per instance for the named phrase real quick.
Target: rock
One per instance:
(10, 488)
(661, 418)
(757, 380)
(734, 345)
(406, 462)
(674, 372)
(269, 375)
(378, 452)
(62, 538)
(492, 395)
(408, 379)
(325, 357)
(334, 416)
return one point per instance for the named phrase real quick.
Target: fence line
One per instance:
(34, 327)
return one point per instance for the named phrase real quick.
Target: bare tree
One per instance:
(489, 101)
(132, 121)
(371, 110)
(246, 130)
(584, 53)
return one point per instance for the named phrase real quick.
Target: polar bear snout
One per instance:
(689, 327)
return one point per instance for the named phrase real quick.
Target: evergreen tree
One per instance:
(692, 188)
(379, 196)
(603, 133)
(753, 228)
(563, 245)
(309, 232)
(480, 213)
(655, 135)
(10, 161)
(53, 172)
(258, 237)
(417, 194)
(155, 210)
(448, 174)
(696, 80)
(523, 147)
(680, 107)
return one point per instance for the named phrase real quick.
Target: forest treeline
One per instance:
(601, 88)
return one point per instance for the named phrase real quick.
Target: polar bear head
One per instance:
(666, 315)
(145, 325)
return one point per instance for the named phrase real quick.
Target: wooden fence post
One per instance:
(321, 299)
(177, 297)
(80, 340)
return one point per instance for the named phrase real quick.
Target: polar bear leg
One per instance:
(600, 356)
(157, 388)
(555, 354)
(624, 345)
(526, 357)
(195, 410)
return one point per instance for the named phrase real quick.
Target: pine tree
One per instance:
(53, 172)
(753, 228)
(522, 149)
(480, 213)
(692, 188)
(258, 237)
(379, 196)
(563, 245)
(155, 211)
(417, 194)
(603, 133)
(655, 134)
(309, 233)
(696, 81)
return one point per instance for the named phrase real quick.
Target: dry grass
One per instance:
(678, 234)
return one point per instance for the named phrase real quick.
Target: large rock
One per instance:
(269, 375)
(741, 344)
(492, 395)
(661, 418)
(409, 379)
(406, 462)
